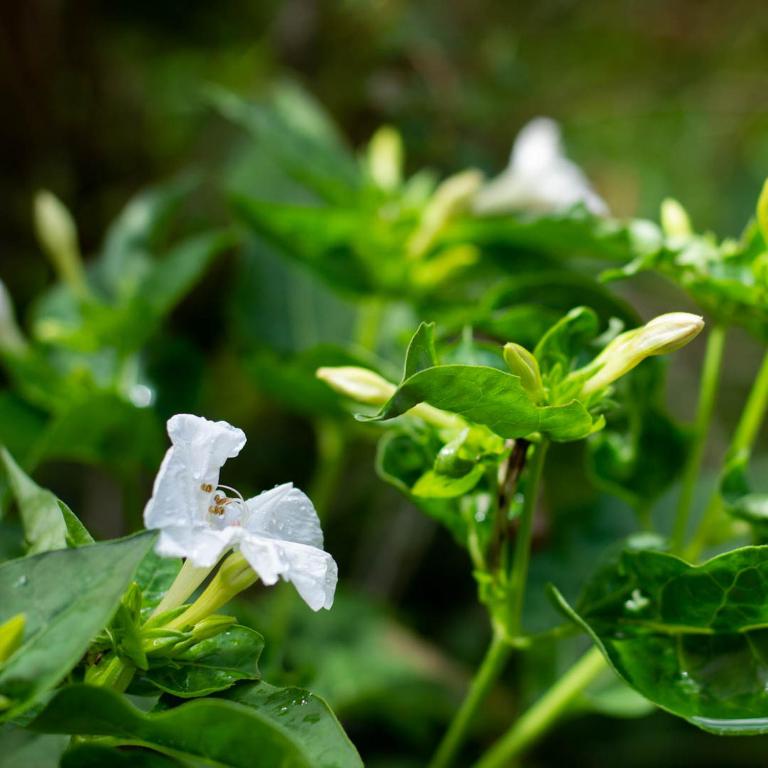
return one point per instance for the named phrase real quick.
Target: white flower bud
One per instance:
(57, 234)
(451, 198)
(662, 335)
(675, 220)
(359, 384)
(385, 158)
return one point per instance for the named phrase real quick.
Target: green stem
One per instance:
(707, 392)
(112, 672)
(481, 685)
(522, 555)
(188, 579)
(234, 576)
(369, 318)
(331, 445)
(545, 712)
(743, 439)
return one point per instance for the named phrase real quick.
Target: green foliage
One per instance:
(689, 638)
(284, 727)
(66, 596)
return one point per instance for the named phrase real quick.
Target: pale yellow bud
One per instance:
(57, 234)
(674, 219)
(451, 198)
(762, 211)
(11, 634)
(385, 158)
(662, 335)
(359, 384)
(11, 338)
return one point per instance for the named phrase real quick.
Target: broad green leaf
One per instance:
(134, 236)
(323, 238)
(285, 728)
(299, 136)
(211, 665)
(567, 234)
(67, 596)
(691, 639)
(20, 748)
(48, 523)
(490, 397)
(100, 756)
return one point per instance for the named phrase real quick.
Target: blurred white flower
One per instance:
(539, 177)
(278, 531)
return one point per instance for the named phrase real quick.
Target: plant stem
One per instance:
(743, 439)
(331, 445)
(522, 555)
(369, 319)
(545, 712)
(707, 392)
(490, 668)
(234, 576)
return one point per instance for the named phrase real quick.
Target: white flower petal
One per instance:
(200, 544)
(199, 449)
(539, 177)
(537, 147)
(284, 513)
(312, 571)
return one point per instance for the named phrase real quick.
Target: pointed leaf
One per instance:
(692, 639)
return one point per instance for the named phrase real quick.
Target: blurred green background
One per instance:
(655, 98)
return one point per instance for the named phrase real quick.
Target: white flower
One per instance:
(539, 177)
(278, 531)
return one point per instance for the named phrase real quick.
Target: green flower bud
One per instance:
(211, 626)
(674, 219)
(57, 234)
(385, 158)
(662, 335)
(11, 338)
(762, 211)
(11, 634)
(451, 198)
(359, 384)
(523, 364)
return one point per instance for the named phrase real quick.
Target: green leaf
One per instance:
(67, 596)
(20, 748)
(738, 497)
(211, 665)
(295, 131)
(402, 458)
(490, 397)
(48, 523)
(563, 342)
(100, 755)
(134, 235)
(435, 485)
(154, 576)
(691, 639)
(421, 353)
(283, 727)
